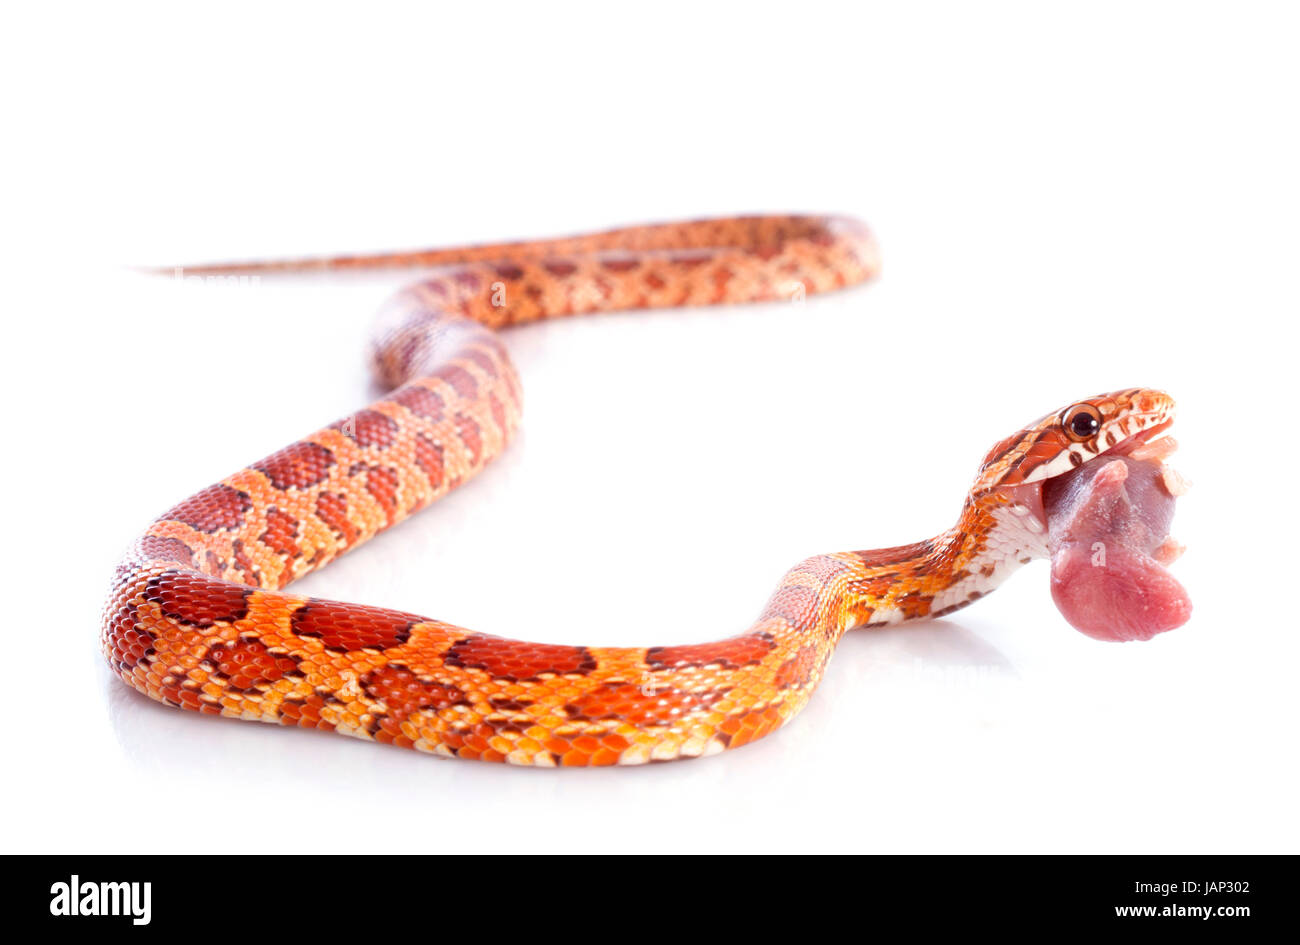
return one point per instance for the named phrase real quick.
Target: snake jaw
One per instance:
(1025, 504)
(1055, 444)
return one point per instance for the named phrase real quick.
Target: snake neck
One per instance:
(994, 537)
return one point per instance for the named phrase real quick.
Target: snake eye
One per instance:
(1082, 421)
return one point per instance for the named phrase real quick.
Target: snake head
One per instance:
(1064, 440)
(1089, 481)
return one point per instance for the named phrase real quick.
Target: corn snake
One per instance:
(197, 617)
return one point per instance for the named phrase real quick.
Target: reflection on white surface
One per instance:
(940, 663)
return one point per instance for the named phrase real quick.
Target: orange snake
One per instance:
(197, 616)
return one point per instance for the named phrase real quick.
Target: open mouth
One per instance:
(1153, 442)
(1108, 537)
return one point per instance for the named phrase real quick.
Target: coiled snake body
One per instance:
(197, 616)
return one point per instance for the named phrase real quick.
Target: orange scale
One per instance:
(604, 757)
(356, 720)
(538, 733)
(528, 744)
(557, 745)
(501, 744)
(186, 697)
(615, 742)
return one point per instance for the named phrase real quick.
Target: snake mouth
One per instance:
(1152, 446)
(1108, 537)
(1144, 441)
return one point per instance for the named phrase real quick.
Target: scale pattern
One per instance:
(197, 618)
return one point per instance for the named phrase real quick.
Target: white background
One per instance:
(1067, 203)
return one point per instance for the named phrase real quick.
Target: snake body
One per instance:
(197, 616)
